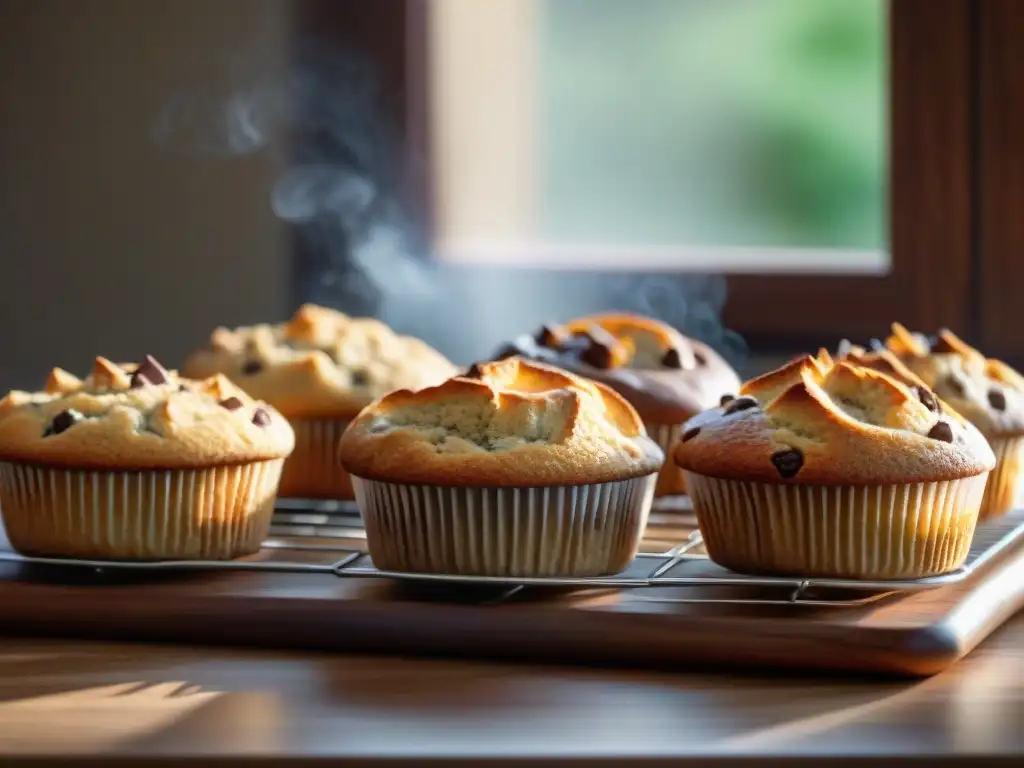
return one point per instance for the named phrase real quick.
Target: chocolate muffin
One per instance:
(665, 376)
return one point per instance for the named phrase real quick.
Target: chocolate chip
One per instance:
(740, 404)
(941, 346)
(788, 462)
(260, 418)
(598, 354)
(596, 333)
(232, 403)
(63, 421)
(507, 351)
(473, 372)
(182, 388)
(149, 372)
(578, 341)
(941, 431)
(691, 433)
(672, 358)
(997, 399)
(955, 385)
(251, 366)
(700, 358)
(726, 399)
(548, 336)
(927, 398)
(360, 378)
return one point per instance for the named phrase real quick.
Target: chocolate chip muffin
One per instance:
(136, 463)
(986, 392)
(319, 369)
(832, 469)
(515, 469)
(664, 375)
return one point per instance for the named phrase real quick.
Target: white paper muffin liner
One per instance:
(212, 514)
(885, 531)
(671, 479)
(586, 530)
(312, 471)
(1004, 482)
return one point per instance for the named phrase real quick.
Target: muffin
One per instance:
(832, 469)
(664, 375)
(319, 370)
(135, 463)
(988, 393)
(513, 469)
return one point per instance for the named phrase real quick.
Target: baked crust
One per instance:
(162, 422)
(512, 423)
(635, 364)
(321, 363)
(821, 422)
(987, 392)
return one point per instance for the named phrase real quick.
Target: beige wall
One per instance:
(109, 244)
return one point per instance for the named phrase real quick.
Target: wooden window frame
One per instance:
(999, 187)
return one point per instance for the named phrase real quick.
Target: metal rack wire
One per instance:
(328, 538)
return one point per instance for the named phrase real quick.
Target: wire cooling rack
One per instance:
(328, 538)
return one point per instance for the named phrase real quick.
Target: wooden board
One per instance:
(911, 634)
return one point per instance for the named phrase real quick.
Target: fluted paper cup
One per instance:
(1004, 482)
(312, 471)
(884, 532)
(671, 479)
(585, 530)
(216, 513)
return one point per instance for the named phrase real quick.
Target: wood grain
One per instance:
(156, 704)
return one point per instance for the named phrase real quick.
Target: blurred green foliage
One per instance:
(716, 122)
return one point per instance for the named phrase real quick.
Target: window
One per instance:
(747, 135)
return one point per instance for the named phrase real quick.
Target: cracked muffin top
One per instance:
(139, 416)
(665, 376)
(823, 422)
(321, 363)
(989, 393)
(508, 423)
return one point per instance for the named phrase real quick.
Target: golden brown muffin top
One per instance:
(321, 363)
(821, 422)
(134, 417)
(988, 393)
(666, 376)
(509, 423)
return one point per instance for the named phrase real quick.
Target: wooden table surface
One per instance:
(100, 700)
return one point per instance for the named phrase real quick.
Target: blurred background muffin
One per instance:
(664, 375)
(319, 370)
(987, 392)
